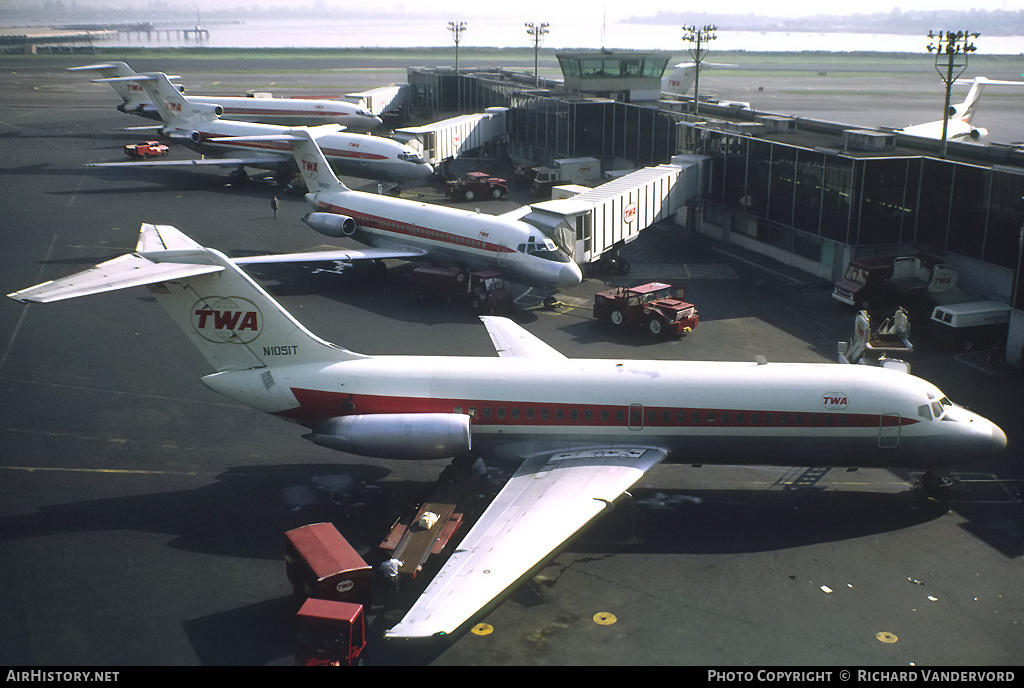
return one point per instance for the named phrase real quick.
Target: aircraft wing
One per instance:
(512, 341)
(550, 498)
(130, 270)
(264, 162)
(345, 255)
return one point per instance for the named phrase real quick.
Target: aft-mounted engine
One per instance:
(396, 435)
(332, 225)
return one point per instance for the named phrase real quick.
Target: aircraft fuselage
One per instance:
(703, 412)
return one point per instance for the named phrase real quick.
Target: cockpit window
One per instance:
(411, 157)
(543, 247)
(934, 409)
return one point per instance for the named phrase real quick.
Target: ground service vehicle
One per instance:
(476, 185)
(972, 325)
(485, 290)
(566, 171)
(321, 563)
(914, 283)
(656, 307)
(330, 633)
(145, 149)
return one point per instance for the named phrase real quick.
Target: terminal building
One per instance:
(812, 195)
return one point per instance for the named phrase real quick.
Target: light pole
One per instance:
(536, 32)
(695, 36)
(456, 29)
(950, 44)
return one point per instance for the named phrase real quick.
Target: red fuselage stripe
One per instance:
(384, 224)
(316, 404)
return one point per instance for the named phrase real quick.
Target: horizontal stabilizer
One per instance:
(122, 272)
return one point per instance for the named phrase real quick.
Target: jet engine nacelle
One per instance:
(396, 435)
(330, 224)
(977, 133)
(207, 109)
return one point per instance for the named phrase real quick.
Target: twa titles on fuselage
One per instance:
(584, 430)
(264, 110)
(199, 126)
(399, 228)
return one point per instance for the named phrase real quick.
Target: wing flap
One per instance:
(549, 499)
(512, 341)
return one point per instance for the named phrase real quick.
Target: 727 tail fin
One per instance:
(316, 172)
(230, 318)
(173, 107)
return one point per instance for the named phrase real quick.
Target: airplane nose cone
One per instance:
(570, 275)
(998, 439)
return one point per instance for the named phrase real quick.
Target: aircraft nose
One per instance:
(998, 439)
(570, 275)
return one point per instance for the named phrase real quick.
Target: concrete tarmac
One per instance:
(142, 515)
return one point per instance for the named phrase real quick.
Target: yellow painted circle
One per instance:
(886, 637)
(483, 629)
(604, 618)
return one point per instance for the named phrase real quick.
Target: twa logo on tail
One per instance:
(309, 166)
(227, 319)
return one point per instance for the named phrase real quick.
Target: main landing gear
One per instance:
(935, 486)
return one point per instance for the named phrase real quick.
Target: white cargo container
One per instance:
(605, 218)
(452, 137)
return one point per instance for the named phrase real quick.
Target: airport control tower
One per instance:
(627, 76)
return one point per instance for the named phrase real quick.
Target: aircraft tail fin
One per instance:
(313, 166)
(309, 157)
(965, 110)
(133, 95)
(230, 318)
(173, 107)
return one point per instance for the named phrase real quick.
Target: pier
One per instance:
(28, 39)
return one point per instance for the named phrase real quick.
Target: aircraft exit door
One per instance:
(889, 431)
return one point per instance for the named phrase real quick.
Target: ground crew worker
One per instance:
(274, 204)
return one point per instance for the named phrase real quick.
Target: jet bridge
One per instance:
(606, 218)
(453, 137)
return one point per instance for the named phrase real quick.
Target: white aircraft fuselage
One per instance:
(265, 110)
(357, 155)
(704, 412)
(451, 236)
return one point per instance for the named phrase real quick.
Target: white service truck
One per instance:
(565, 171)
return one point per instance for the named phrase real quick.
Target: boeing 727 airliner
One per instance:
(264, 110)
(197, 125)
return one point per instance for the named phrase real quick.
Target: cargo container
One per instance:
(321, 563)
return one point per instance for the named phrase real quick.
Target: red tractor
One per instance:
(477, 185)
(656, 307)
(145, 149)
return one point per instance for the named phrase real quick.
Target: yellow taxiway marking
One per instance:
(886, 637)
(32, 469)
(604, 618)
